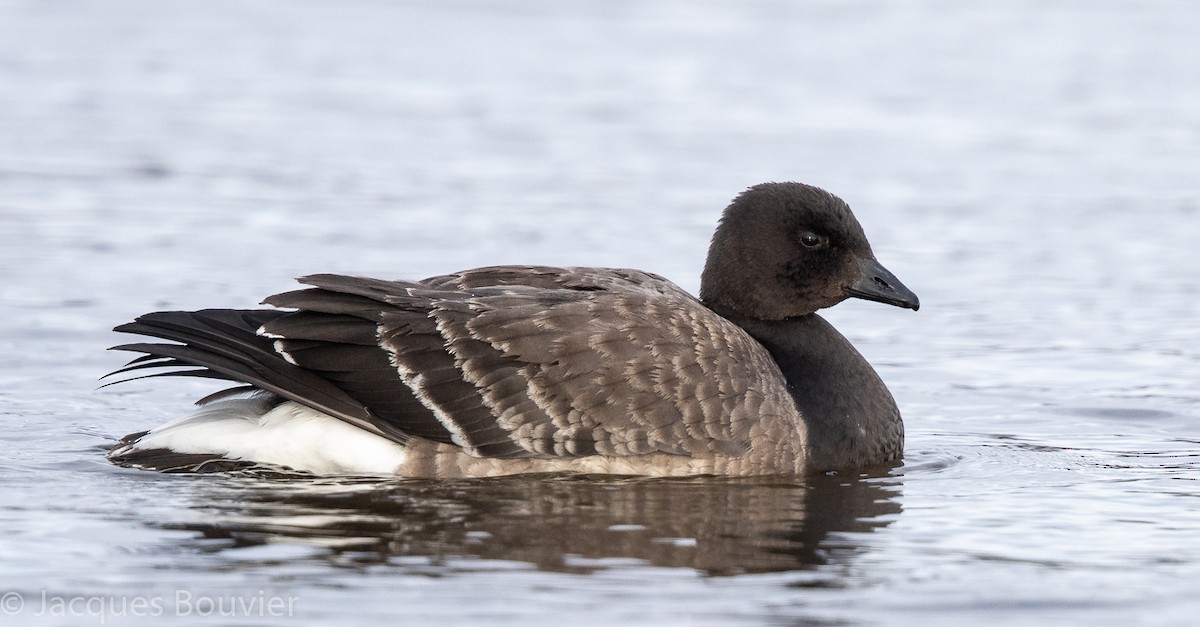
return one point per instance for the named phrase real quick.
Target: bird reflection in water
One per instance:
(718, 526)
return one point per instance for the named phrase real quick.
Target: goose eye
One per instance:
(810, 240)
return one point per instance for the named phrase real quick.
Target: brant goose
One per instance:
(517, 369)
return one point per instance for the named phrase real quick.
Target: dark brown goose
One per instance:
(518, 369)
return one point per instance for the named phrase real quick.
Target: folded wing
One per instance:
(510, 361)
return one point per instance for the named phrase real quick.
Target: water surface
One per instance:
(1029, 169)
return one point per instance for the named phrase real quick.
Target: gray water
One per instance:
(1030, 169)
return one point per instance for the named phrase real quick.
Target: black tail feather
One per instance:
(224, 344)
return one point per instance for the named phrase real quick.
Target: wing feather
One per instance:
(513, 361)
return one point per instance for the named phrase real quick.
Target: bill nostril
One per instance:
(881, 283)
